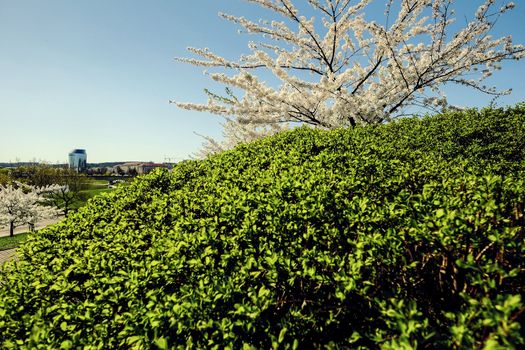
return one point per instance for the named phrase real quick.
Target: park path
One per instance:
(4, 231)
(6, 255)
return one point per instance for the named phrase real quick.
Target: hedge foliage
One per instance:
(405, 235)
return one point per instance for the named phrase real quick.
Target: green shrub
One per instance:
(403, 235)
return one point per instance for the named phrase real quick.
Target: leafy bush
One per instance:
(403, 235)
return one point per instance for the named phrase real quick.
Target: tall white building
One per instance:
(78, 159)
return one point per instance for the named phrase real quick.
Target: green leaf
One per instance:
(161, 343)
(66, 344)
(440, 213)
(282, 334)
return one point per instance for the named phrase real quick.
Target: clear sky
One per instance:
(99, 74)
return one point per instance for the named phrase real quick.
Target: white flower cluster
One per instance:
(359, 71)
(22, 204)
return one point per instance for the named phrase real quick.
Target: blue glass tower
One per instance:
(78, 160)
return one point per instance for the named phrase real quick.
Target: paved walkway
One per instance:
(4, 231)
(9, 254)
(6, 255)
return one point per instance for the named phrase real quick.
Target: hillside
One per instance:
(406, 234)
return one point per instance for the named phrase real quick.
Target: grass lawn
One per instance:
(13, 242)
(92, 192)
(98, 183)
(87, 194)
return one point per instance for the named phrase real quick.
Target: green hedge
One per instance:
(404, 235)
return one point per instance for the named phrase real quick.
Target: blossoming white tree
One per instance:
(346, 70)
(22, 204)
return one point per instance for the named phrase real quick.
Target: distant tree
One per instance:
(68, 189)
(42, 175)
(346, 69)
(119, 171)
(23, 204)
(69, 183)
(5, 178)
(38, 175)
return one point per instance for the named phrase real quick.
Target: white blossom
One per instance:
(360, 71)
(22, 204)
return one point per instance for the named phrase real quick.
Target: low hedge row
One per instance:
(410, 234)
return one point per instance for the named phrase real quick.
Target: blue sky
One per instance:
(99, 75)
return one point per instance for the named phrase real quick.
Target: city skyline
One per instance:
(99, 76)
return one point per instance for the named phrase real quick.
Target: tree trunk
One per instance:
(11, 229)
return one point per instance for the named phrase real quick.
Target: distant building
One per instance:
(78, 160)
(137, 168)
